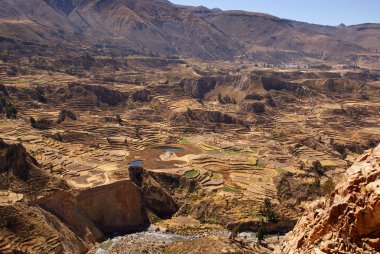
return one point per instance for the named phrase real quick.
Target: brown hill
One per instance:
(159, 26)
(156, 26)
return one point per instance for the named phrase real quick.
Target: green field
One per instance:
(192, 173)
(281, 170)
(229, 189)
(260, 164)
(216, 176)
(252, 160)
(184, 141)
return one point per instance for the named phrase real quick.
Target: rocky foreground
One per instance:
(348, 221)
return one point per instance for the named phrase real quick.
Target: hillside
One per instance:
(151, 27)
(144, 26)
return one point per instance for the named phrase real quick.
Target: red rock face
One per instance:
(348, 221)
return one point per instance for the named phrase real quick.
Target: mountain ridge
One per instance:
(165, 28)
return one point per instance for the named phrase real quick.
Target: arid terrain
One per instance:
(205, 146)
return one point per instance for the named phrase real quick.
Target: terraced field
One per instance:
(87, 132)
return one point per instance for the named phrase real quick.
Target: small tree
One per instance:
(119, 120)
(314, 188)
(317, 168)
(267, 209)
(226, 99)
(40, 94)
(261, 234)
(2, 104)
(138, 132)
(190, 113)
(32, 121)
(10, 111)
(41, 124)
(4, 55)
(328, 187)
(220, 100)
(234, 232)
(12, 71)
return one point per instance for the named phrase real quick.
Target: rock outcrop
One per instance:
(156, 198)
(91, 213)
(66, 114)
(204, 116)
(20, 173)
(141, 95)
(116, 207)
(254, 107)
(198, 88)
(14, 158)
(348, 221)
(103, 94)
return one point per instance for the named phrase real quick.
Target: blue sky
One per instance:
(324, 12)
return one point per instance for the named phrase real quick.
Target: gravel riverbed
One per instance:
(154, 241)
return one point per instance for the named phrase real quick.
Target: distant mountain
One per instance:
(159, 26)
(259, 31)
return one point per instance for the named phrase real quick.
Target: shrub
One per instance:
(119, 120)
(64, 114)
(261, 234)
(41, 124)
(258, 107)
(32, 121)
(12, 71)
(226, 99)
(234, 232)
(190, 113)
(267, 209)
(317, 168)
(10, 111)
(2, 103)
(327, 187)
(138, 132)
(4, 55)
(40, 94)
(314, 189)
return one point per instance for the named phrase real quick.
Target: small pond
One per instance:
(136, 163)
(168, 148)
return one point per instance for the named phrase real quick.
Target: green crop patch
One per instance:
(230, 189)
(252, 160)
(192, 173)
(260, 164)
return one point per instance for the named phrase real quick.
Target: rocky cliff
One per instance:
(39, 214)
(348, 221)
(116, 207)
(156, 197)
